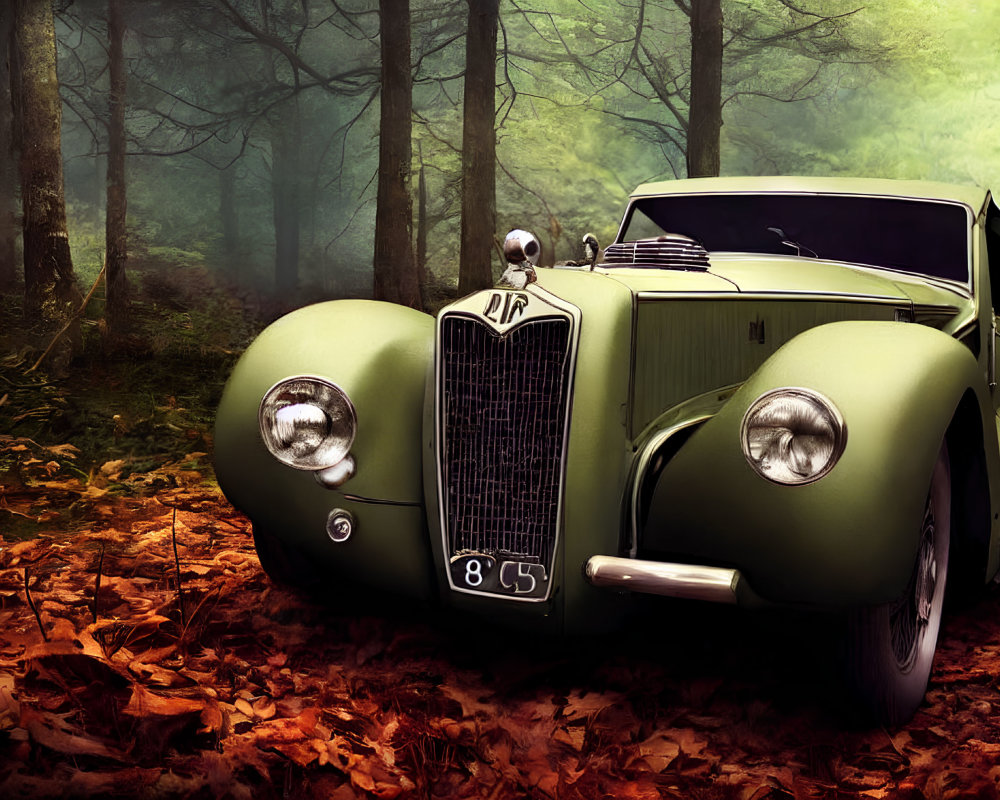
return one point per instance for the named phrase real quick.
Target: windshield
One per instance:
(923, 236)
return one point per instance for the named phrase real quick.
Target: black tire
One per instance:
(890, 648)
(284, 565)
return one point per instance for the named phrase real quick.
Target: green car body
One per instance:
(545, 450)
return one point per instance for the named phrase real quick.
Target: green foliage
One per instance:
(906, 89)
(152, 400)
(86, 241)
(929, 113)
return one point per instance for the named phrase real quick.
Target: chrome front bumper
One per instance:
(691, 582)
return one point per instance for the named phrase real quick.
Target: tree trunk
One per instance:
(705, 115)
(8, 186)
(49, 282)
(394, 268)
(479, 148)
(116, 243)
(422, 225)
(230, 223)
(285, 175)
(99, 189)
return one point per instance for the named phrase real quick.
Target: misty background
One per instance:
(225, 124)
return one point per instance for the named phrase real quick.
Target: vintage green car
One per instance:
(770, 392)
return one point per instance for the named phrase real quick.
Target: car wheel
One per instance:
(283, 564)
(891, 647)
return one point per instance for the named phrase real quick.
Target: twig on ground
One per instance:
(37, 385)
(5, 507)
(177, 567)
(214, 594)
(70, 321)
(31, 605)
(97, 580)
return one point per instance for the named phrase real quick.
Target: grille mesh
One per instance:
(504, 412)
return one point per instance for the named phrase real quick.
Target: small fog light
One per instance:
(337, 475)
(340, 525)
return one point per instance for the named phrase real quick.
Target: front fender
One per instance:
(850, 537)
(380, 355)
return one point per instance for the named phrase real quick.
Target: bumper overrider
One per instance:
(684, 581)
(669, 579)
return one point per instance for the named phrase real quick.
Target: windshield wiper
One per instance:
(789, 243)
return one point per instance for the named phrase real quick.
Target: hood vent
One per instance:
(671, 251)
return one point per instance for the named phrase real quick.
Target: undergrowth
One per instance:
(131, 402)
(144, 397)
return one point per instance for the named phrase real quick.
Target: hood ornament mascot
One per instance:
(522, 251)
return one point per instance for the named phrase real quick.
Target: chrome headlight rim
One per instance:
(327, 397)
(819, 403)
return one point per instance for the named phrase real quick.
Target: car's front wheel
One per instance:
(890, 647)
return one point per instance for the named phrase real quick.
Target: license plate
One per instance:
(481, 572)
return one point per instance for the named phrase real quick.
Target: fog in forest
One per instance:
(177, 174)
(246, 116)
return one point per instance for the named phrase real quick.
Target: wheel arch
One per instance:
(971, 506)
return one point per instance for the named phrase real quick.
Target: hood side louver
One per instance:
(663, 252)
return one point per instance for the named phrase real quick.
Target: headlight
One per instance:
(792, 436)
(307, 423)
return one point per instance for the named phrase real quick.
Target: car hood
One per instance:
(752, 274)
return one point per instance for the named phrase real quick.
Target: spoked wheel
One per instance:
(283, 564)
(891, 647)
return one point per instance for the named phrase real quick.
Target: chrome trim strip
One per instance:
(808, 297)
(935, 308)
(810, 193)
(642, 464)
(356, 498)
(466, 307)
(992, 355)
(966, 329)
(633, 351)
(686, 581)
(970, 328)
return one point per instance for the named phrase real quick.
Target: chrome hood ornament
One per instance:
(522, 250)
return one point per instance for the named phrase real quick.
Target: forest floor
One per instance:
(144, 654)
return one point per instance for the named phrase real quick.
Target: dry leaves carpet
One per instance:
(171, 668)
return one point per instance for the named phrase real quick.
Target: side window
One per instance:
(993, 251)
(992, 229)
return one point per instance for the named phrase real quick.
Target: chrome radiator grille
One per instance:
(503, 414)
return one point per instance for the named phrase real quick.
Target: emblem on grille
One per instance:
(504, 308)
